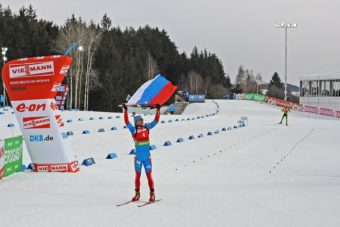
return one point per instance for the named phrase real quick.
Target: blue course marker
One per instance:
(86, 132)
(69, 133)
(88, 162)
(180, 140)
(111, 156)
(30, 166)
(132, 152)
(153, 147)
(167, 143)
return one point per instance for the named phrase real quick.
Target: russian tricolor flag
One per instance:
(155, 91)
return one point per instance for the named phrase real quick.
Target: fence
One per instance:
(291, 105)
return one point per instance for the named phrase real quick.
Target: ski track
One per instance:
(218, 180)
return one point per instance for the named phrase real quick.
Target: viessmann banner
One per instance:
(32, 84)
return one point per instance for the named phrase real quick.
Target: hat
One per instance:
(137, 118)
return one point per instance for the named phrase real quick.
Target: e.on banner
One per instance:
(32, 84)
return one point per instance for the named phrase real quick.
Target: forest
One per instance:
(113, 62)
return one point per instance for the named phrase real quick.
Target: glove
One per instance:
(124, 106)
(158, 106)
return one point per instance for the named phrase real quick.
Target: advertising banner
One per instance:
(196, 98)
(337, 114)
(2, 159)
(61, 96)
(326, 112)
(283, 103)
(249, 96)
(12, 155)
(239, 96)
(259, 97)
(32, 84)
(310, 109)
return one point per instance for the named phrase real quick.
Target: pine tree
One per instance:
(275, 88)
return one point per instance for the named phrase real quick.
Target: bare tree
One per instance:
(218, 91)
(76, 30)
(196, 83)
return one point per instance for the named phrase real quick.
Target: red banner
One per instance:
(282, 103)
(35, 78)
(326, 112)
(303, 108)
(310, 109)
(337, 114)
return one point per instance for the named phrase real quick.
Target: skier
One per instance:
(285, 111)
(140, 134)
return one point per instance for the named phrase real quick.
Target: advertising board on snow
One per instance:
(2, 159)
(10, 156)
(32, 85)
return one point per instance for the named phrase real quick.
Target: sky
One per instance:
(239, 32)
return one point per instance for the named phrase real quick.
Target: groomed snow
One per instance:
(264, 174)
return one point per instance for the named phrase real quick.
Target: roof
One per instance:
(326, 74)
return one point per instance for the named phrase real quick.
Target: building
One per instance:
(321, 89)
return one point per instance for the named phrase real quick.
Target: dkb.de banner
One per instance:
(32, 84)
(10, 156)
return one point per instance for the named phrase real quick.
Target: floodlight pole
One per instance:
(4, 58)
(286, 26)
(286, 64)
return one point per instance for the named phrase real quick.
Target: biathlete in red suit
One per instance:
(140, 134)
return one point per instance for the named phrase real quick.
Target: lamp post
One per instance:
(286, 27)
(4, 58)
(72, 46)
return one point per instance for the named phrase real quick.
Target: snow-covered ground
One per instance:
(264, 174)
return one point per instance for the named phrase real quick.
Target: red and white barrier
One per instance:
(303, 108)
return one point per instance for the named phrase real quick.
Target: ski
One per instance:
(122, 204)
(148, 203)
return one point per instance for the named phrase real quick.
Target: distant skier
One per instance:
(285, 111)
(172, 109)
(140, 134)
